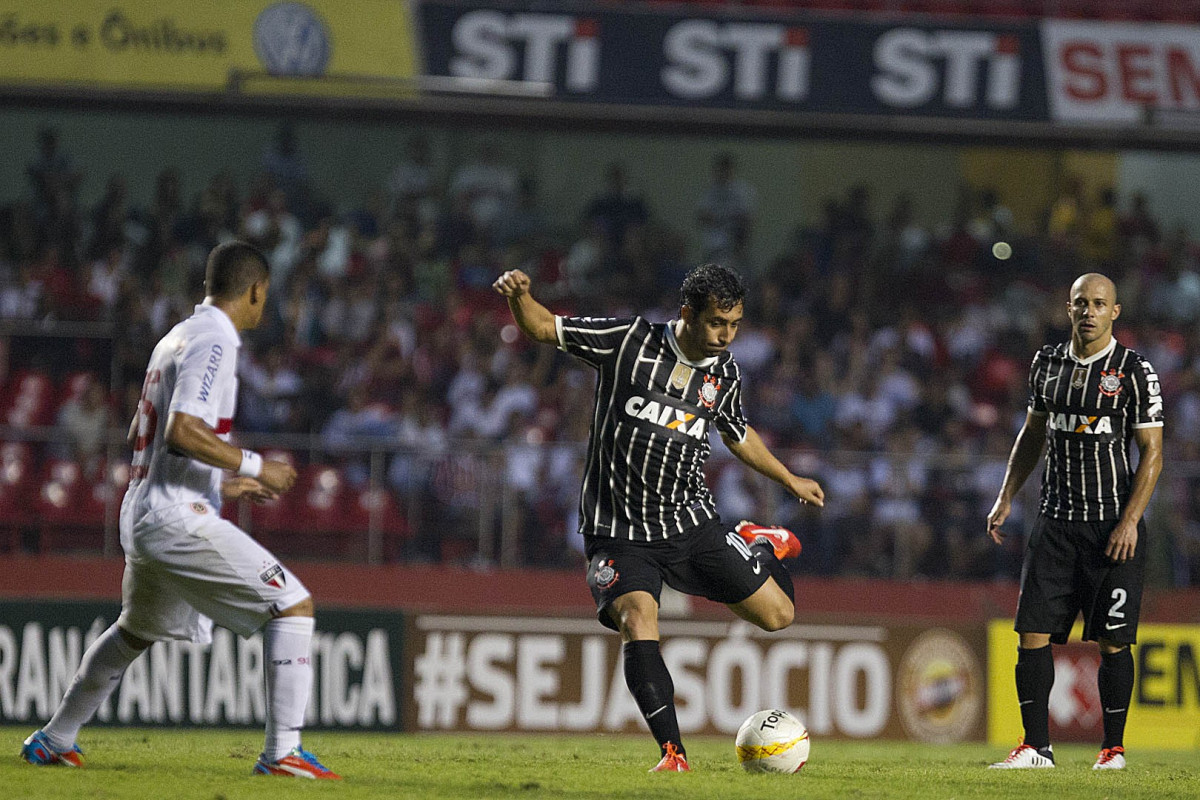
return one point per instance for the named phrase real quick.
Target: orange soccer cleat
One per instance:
(782, 541)
(1110, 758)
(672, 761)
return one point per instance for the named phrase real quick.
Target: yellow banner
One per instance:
(1164, 712)
(313, 47)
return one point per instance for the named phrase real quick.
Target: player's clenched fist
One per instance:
(278, 476)
(512, 283)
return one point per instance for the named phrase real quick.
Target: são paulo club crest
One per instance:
(708, 391)
(1110, 382)
(273, 576)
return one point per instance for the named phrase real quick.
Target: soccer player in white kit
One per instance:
(185, 566)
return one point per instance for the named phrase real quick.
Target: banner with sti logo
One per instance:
(742, 60)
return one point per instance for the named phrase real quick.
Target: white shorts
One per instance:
(197, 569)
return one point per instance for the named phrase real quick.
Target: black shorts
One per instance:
(1066, 572)
(708, 560)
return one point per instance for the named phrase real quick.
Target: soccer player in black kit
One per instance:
(645, 513)
(1088, 398)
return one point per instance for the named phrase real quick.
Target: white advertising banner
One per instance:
(495, 673)
(1116, 74)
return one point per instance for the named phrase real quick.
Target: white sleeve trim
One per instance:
(1038, 413)
(1147, 425)
(558, 331)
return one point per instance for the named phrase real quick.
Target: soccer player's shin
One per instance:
(1035, 677)
(650, 684)
(287, 653)
(99, 672)
(1115, 679)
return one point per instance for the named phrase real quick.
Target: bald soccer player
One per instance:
(1088, 398)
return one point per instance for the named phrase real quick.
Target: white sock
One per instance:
(287, 657)
(100, 669)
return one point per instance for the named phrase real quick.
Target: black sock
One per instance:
(1115, 679)
(1035, 677)
(766, 556)
(651, 686)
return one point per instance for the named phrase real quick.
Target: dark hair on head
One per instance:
(232, 268)
(719, 282)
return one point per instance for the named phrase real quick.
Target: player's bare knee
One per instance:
(779, 617)
(304, 608)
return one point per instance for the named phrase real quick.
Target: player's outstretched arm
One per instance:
(1026, 452)
(191, 436)
(533, 318)
(753, 452)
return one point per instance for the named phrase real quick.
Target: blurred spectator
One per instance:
(53, 177)
(726, 213)
(276, 231)
(410, 186)
(283, 164)
(85, 419)
(616, 209)
(488, 185)
(525, 222)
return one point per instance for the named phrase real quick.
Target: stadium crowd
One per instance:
(885, 356)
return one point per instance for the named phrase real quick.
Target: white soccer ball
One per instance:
(772, 741)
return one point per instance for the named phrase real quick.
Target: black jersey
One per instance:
(650, 426)
(1091, 406)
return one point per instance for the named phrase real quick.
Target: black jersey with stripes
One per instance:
(1092, 407)
(654, 408)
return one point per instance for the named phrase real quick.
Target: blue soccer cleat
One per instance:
(299, 763)
(39, 752)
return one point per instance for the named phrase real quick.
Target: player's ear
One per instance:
(685, 313)
(1116, 310)
(258, 293)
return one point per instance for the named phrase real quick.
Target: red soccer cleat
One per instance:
(673, 761)
(782, 541)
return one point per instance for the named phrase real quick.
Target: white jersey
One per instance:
(193, 370)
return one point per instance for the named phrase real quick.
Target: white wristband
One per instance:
(251, 466)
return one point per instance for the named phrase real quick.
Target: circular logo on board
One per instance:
(292, 39)
(939, 688)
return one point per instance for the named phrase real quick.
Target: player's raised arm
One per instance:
(533, 318)
(753, 452)
(1026, 452)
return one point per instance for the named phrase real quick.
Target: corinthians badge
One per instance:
(1110, 382)
(708, 391)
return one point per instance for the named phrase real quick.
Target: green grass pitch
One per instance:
(215, 765)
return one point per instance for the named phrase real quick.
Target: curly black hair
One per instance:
(720, 283)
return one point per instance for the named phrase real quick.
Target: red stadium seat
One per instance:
(18, 480)
(379, 507)
(70, 509)
(316, 519)
(29, 400)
